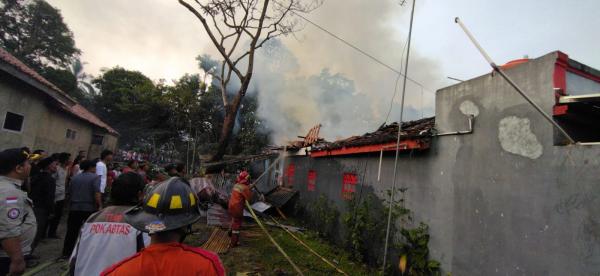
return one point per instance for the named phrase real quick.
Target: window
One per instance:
(97, 139)
(312, 180)
(349, 185)
(13, 121)
(71, 134)
(581, 120)
(291, 170)
(577, 106)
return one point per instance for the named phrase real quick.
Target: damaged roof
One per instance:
(423, 128)
(13, 66)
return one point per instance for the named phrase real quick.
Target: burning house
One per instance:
(501, 190)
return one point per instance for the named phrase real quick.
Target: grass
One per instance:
(258, 256)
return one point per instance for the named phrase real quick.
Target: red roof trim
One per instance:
(418, 144)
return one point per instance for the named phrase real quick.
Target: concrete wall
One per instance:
(503, 200)
(109, 142)
(44, 127)
(52, 129)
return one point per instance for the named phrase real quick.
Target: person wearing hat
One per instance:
(239, 195)
(43, 187)
(106, 238)
(17, 220)
(167, 214)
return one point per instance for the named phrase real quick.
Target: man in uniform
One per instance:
(239, 195)
(17, 220)
(167, 214)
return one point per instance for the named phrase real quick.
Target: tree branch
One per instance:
(212, 37)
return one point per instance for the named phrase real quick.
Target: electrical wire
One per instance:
(363, 52)
(396, 86)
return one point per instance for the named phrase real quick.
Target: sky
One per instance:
(161, 39)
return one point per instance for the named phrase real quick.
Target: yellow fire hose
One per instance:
(273, 240)
(307, 247)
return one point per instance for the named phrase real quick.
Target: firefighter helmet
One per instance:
(170, 205)
(243, 178)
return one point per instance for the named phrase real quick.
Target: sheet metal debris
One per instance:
(217, 216)
(280, 196)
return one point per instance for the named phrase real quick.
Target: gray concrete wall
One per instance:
(109, 142)
(503, 200)
(44, 127)
(52, 129)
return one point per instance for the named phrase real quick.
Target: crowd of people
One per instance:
(128, 220)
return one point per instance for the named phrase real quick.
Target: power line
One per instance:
(387, 116)
(380, 62)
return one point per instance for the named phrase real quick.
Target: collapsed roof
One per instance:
(421, 130)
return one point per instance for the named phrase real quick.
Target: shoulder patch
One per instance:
(13, 213)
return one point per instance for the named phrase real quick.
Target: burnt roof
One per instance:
(423, 128)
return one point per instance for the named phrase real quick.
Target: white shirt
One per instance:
(61, 181)
(104, 240)
(103, 173)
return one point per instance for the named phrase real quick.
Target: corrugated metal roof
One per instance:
(280, 196)
(422, 128)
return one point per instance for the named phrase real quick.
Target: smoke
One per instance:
(312, 78)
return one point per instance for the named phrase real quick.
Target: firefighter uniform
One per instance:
(239, 195)
(171, 205)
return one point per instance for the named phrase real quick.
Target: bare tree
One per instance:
(237, 28)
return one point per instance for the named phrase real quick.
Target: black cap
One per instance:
(10, 159)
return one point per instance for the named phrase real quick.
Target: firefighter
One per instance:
(167, 214)
(239, 195)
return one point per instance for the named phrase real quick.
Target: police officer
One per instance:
(17, 221)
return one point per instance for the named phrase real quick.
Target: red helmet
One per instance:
(243, 178)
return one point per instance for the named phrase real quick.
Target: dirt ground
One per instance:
(256, 255)
(49, 250)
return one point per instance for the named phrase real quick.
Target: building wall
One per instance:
(22, 103)
(51, 133)
(503, 200)
(44, 126)
(109, 142)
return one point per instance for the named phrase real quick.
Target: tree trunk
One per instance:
(231, 112)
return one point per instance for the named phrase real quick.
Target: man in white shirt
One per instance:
(101, 170)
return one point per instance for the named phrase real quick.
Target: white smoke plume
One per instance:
(312, 78)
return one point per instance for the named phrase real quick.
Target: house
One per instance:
(500, 188)
(37, 114)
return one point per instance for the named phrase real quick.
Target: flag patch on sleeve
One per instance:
(12, 200)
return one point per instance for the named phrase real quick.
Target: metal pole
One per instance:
(392, 194)
(511, 82)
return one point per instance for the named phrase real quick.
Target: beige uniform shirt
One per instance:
(16, 214)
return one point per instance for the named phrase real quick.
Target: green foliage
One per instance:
(363, 226)
(252, 134)
(130, 102)
(323, 217)
(415, 247)
(65, 80)
(366, 224)
(35, 33)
